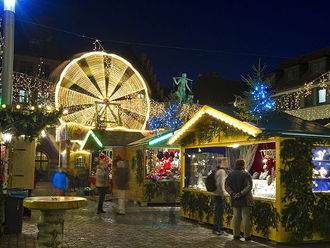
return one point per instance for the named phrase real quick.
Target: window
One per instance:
(322, 95)
(321, 171)
(317, 67)
(41, 161)
(80, 160)
(293, 74)
(23, 96)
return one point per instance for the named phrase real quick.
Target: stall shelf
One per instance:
(279, 143)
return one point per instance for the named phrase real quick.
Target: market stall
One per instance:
(154, 170)
(287, 157)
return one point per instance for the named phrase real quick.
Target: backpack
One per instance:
(210, 182)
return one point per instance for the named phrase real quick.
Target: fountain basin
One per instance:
(54, 202)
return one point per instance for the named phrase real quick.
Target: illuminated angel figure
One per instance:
(182, 83)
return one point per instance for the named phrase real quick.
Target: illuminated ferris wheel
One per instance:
(99, 89)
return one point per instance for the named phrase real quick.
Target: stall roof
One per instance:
(159, 139)
(99, 138)
(273, 124)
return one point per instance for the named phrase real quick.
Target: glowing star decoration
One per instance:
(103, 90)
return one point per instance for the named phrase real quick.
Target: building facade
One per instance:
(301, 86)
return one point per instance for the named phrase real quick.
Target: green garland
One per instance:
(228, 211)
(139, 167)
(264, 215)
(206, 132)
(200, 203)
(168, 190)
(27, 120)
(304, 213)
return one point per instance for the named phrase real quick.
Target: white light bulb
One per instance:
(7, 137)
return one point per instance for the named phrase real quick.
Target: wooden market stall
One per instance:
(289, 161)
(149, 170)
(154, 169)
(113, 145)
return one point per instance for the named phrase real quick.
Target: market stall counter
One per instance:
(287, 158)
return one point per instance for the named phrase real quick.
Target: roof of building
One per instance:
(282, 124)
(110, 138)
(274, 123)
(282, 83)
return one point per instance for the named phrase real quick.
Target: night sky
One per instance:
(222, 36)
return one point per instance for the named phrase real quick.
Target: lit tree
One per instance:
(257, 102)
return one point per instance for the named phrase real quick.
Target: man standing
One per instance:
(239, 184)
(219, 196)
(102, 183)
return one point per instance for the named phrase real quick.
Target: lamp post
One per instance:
(8, 53)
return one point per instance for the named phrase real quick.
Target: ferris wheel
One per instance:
(99, 89)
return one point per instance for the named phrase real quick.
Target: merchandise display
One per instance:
(162, 163)
(321, 172)
(264, 188)
(201, 165)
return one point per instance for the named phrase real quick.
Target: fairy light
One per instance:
(245, 127)
(43, 134)
(7, 137)
(291, 100)
(109, 72)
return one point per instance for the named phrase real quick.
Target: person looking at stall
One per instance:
(219, 195)
(102, 183)
(238, 184)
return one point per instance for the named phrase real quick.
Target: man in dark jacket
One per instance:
(239, 184)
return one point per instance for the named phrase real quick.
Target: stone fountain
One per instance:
(51, 222)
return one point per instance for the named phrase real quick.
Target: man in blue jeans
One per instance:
(219, 196)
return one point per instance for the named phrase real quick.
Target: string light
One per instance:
(244, 126)
(161, 115)
(120, 96)
(290, 101)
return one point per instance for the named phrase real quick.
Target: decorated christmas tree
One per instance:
(257, 102)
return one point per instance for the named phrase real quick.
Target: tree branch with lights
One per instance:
(256, 103)
(27, 120)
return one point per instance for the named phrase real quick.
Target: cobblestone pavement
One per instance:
(139, 227)
(153, 226)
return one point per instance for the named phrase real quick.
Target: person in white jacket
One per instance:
(219, 195)
(102, 183)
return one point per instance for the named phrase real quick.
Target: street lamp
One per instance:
(9, 5)
(8, 52)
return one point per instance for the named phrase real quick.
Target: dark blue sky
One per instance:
(234, 34)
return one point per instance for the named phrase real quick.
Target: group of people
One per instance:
(60, 182)
(238, 184)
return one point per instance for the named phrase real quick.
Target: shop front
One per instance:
(288, 160)
(155, 170)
